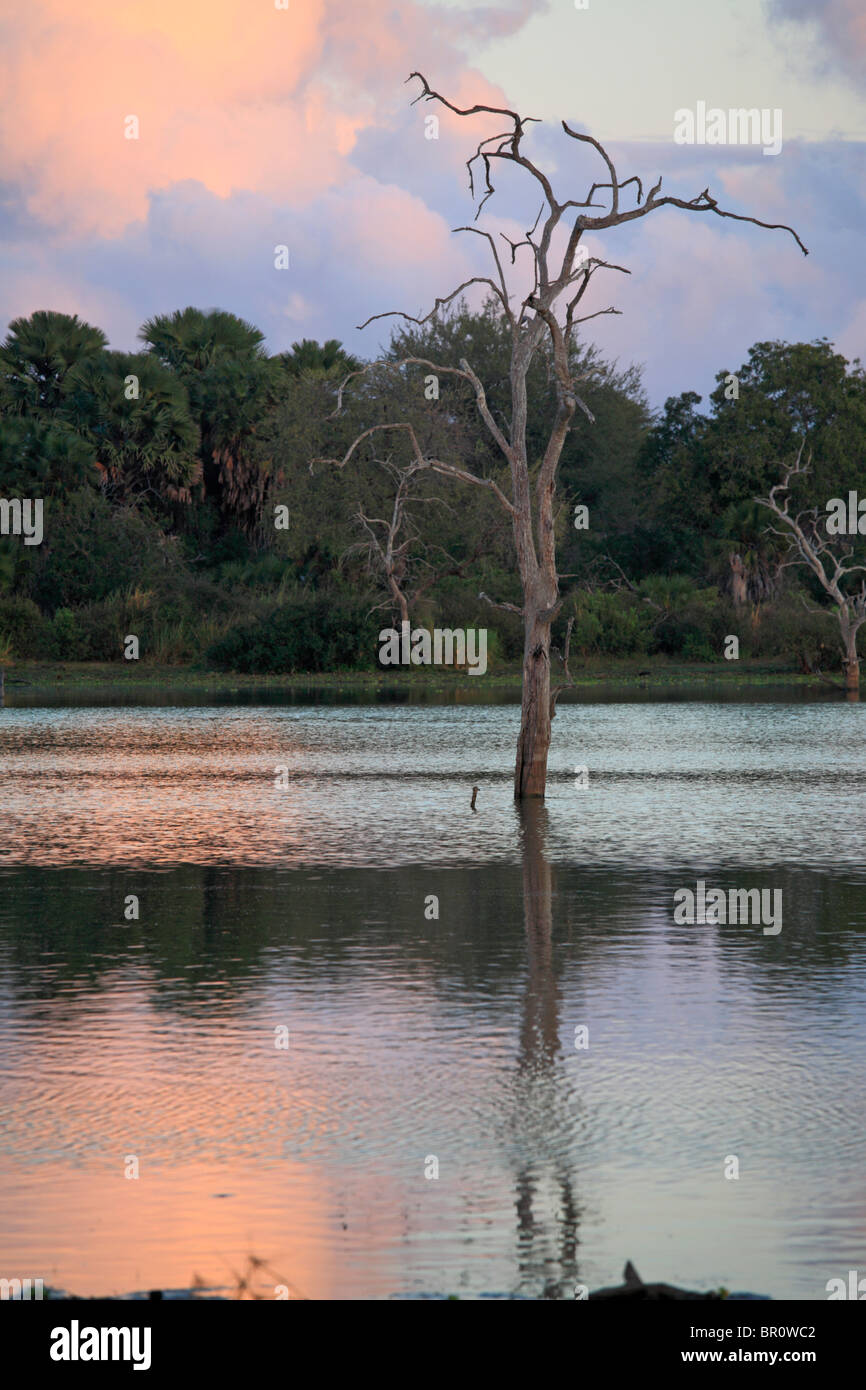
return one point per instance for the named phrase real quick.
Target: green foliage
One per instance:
(65, 639)
(328, 359)
(787, 629)
(193, 339)
(696, 647)
(230, 384)
(145, 442)
(38, 354)
(789, 392)
(694, 626)
(608, 624)
(310, 632)
(92, 549)
(703, 473)
(160, 506)
(100, 628)
(42, 457)
(23, 627)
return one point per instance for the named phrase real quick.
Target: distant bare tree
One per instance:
(396, 551)
(389, 539)
(826, 557)
(556, 276)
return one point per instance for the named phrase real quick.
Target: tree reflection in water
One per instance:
(539, 1084)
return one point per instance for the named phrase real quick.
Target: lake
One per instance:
(267, 958)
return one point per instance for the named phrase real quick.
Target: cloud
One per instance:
(353, 252)
(839, 25)
(703, 289)
(852, 338)
(232, 94)
(262, 127)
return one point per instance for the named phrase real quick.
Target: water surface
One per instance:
(300, 900)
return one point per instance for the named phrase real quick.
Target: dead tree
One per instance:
(811, 545)
(394, 548)
(389, 540)
(545, 318)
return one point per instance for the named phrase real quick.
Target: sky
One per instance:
(268, 123)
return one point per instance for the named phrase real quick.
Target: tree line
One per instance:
(188, 498)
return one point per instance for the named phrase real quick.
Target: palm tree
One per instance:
(190, 340)
(309, 356)
(136, 415)
(38, 354)
(229, 379)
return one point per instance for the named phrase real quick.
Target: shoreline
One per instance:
(626, 674)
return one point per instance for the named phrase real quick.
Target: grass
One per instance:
(628, 673)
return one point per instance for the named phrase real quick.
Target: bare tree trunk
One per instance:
(539, 1033)
(739, 587)
(399, 598)
(530, 771)
(533, 745)
(850, 661)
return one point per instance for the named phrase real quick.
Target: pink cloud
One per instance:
(238, 96)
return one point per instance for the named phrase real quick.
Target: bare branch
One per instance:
(568, 682)
(512, 139)
(816, 551)
(440, 303)
(704, 202)
(614, 184)
(502, 294)
(508, 607)
(448, 470)
(464, 371)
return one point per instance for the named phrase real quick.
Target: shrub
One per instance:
(25, 631)
(609, 624)
(103, 626)
(92, 550)
(787, 628)
(316, 632)
(697, 648)
(66, 638)
(696, 625)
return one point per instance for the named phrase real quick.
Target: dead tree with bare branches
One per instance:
(544, 319)
(826, 557)
(395, 550)
(389, 539)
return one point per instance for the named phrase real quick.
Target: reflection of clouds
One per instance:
(98, 1234)
(321, 1147)
(411, 1037)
